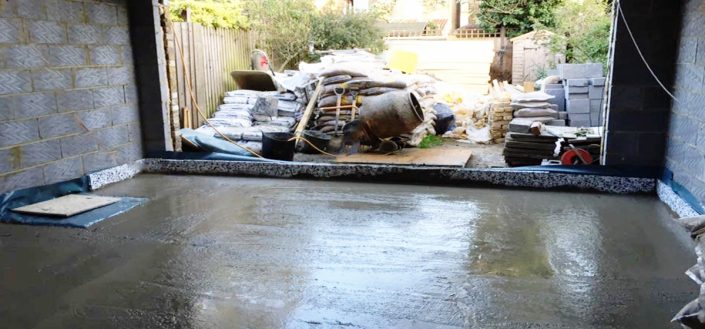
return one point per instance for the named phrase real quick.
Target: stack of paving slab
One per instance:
(523, 149)
(584, 86)
(532, 107)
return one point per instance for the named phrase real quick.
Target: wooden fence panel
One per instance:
(210, 55)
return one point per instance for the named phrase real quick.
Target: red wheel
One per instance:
(576, 157)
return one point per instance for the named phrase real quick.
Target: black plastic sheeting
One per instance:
(33, 195)
(612, 171)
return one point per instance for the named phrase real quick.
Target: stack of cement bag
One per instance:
(246, 114)
(353, 87)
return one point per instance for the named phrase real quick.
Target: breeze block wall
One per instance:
(685, 155)
(68, 97)
(639, 112)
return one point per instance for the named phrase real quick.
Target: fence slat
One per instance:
(210, 55)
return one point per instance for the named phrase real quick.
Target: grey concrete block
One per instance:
(580, 123)
(577, 82)
(75, 100)
(65, 11)
(123, 17)
(78, 144)
(117, 35)
(20, 180)
(15, 82)
(67, 56)
(8, 9)
(40, 153)
(595, 119)
(578, 106)
(578, 96)
(595, 105)
(121, 75)
(60, 125)
(569, 90)
(101, 13)
(111, 137)
(127, 56)
(106, 55)
(18, 132)
(580, 71)
(52, 79)
(125, 114)
(562, 115)
(47, 32)
(9, 160)
(10, 30)
(596, 92)
(134, 132)
(25, 56)
(85, 34)
(98, 161)
(129, 153)
(34, 9)
(687, 50)
(598, 82)
(131, 94)
(63, 170)
(554, 86)
(108, 96)
(558, 122)
(95, 119)
(91, 77)
(559, 98)
(29, 105)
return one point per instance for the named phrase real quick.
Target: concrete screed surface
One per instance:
(215, 252)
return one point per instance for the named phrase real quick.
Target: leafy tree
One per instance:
(583, 30)
(517, 16)
(358, 30)
(212, 13)
(284, 27)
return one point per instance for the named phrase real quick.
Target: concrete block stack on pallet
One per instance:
(584, 86)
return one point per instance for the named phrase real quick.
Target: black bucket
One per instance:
(276, 146)
(318, 139)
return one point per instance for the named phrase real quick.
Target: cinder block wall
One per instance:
(639, 109)
(685, 155)
(68, 97)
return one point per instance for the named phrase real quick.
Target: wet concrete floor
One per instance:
(214, 252)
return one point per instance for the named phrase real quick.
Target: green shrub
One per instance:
(211, 13)
(517, 16)
(583, 31)
(359, 30)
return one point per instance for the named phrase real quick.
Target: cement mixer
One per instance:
(382, 117)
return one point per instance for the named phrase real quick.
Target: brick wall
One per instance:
(685, 155)
(68, 98)
(639, 110)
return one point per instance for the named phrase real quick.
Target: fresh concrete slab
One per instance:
(221, 252)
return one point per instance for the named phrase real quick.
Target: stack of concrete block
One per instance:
(584, 86)
(499, 118)
(558, 92)
(596, 95)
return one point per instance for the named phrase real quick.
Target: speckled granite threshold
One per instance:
(381, 173)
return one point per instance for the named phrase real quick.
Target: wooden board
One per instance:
(441, 157)
(67, 206)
